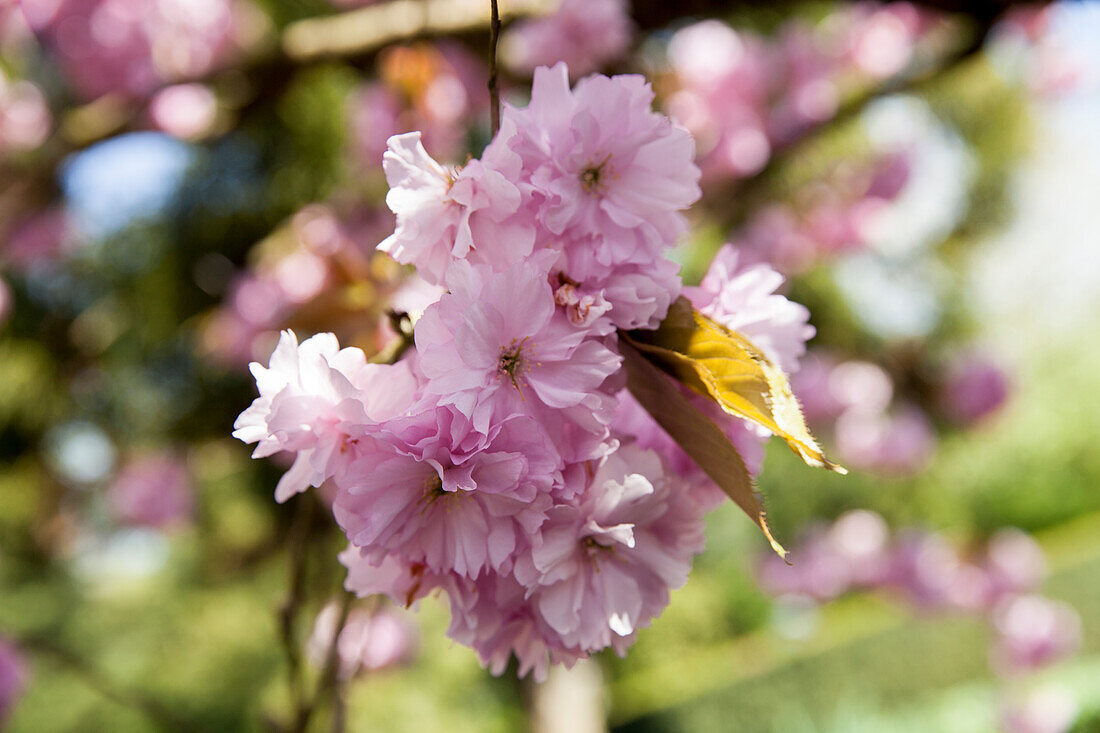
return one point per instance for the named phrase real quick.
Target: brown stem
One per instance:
(402, 324)
(494, 83)
(328, 684)
(292, 606)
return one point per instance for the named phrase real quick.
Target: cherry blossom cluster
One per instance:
(1000, 584)
(825, 223)
(133, 47)
(876, 427)
(320, 252)
(437, 88)
(585, 34)
(501, 461)
(744, 96)
(368, 641)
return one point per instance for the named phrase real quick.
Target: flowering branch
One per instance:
(751, 191)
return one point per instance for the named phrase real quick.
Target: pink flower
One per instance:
(314, 397)
(153, 490)
(628, 297)
(585, 34)
(445, 215)
(604, 567)
(454, 512)
(633, 421)
(495, 346)
(494, 617)
(606, 177)
(744, 299)
(401, 581)
(603, 163)
(368, 640)
(723, 100)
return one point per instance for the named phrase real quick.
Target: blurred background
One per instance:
(181, 179)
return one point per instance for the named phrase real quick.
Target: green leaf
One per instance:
(696, 433)
(723, 365)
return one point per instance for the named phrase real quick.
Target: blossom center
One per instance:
(594, 177)
(513, 362)
(593, 551)
(433, 488)
(433, 491)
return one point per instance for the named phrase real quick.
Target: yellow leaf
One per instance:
(723, 365)
(696, 433)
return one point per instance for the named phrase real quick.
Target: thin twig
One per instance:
(402, 325)
(494, 83)
(288, 612)
(127, 697)
(328, 684)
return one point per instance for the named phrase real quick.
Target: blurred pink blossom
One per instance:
(25, 119)
(373, 117)
(901, 442)
(38, 238)
(13, 678)
(153, 490)
(1047, 709)
(1033, 632)
(184, 110)
(1015, 562)
(743, 96)
(6, 301)
(369, 641)
(975, 388)
(880, 41)
(585, 34)
(131, 47)
(437, 89)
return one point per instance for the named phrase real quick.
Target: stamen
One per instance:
(513, 362)
(594, 550)
(594, 177)
(433, 490)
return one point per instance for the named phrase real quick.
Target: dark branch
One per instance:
(157, 713)
(494, 86)
(328, 685)
(298, 552)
